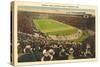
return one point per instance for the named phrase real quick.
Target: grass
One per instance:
(53, 27)
(83, 37)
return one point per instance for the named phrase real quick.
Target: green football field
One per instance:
(53, 27)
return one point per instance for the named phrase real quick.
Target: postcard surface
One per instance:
(52, 33)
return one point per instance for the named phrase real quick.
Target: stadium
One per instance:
(52, 36)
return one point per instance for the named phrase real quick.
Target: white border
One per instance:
(15, 63)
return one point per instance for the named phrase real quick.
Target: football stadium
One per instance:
(50, 37)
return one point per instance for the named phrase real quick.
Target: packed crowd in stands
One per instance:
(31, 48)
(42, 48)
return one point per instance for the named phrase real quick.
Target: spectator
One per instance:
(27, 49)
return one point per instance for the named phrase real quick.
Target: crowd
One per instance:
(32, 48)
